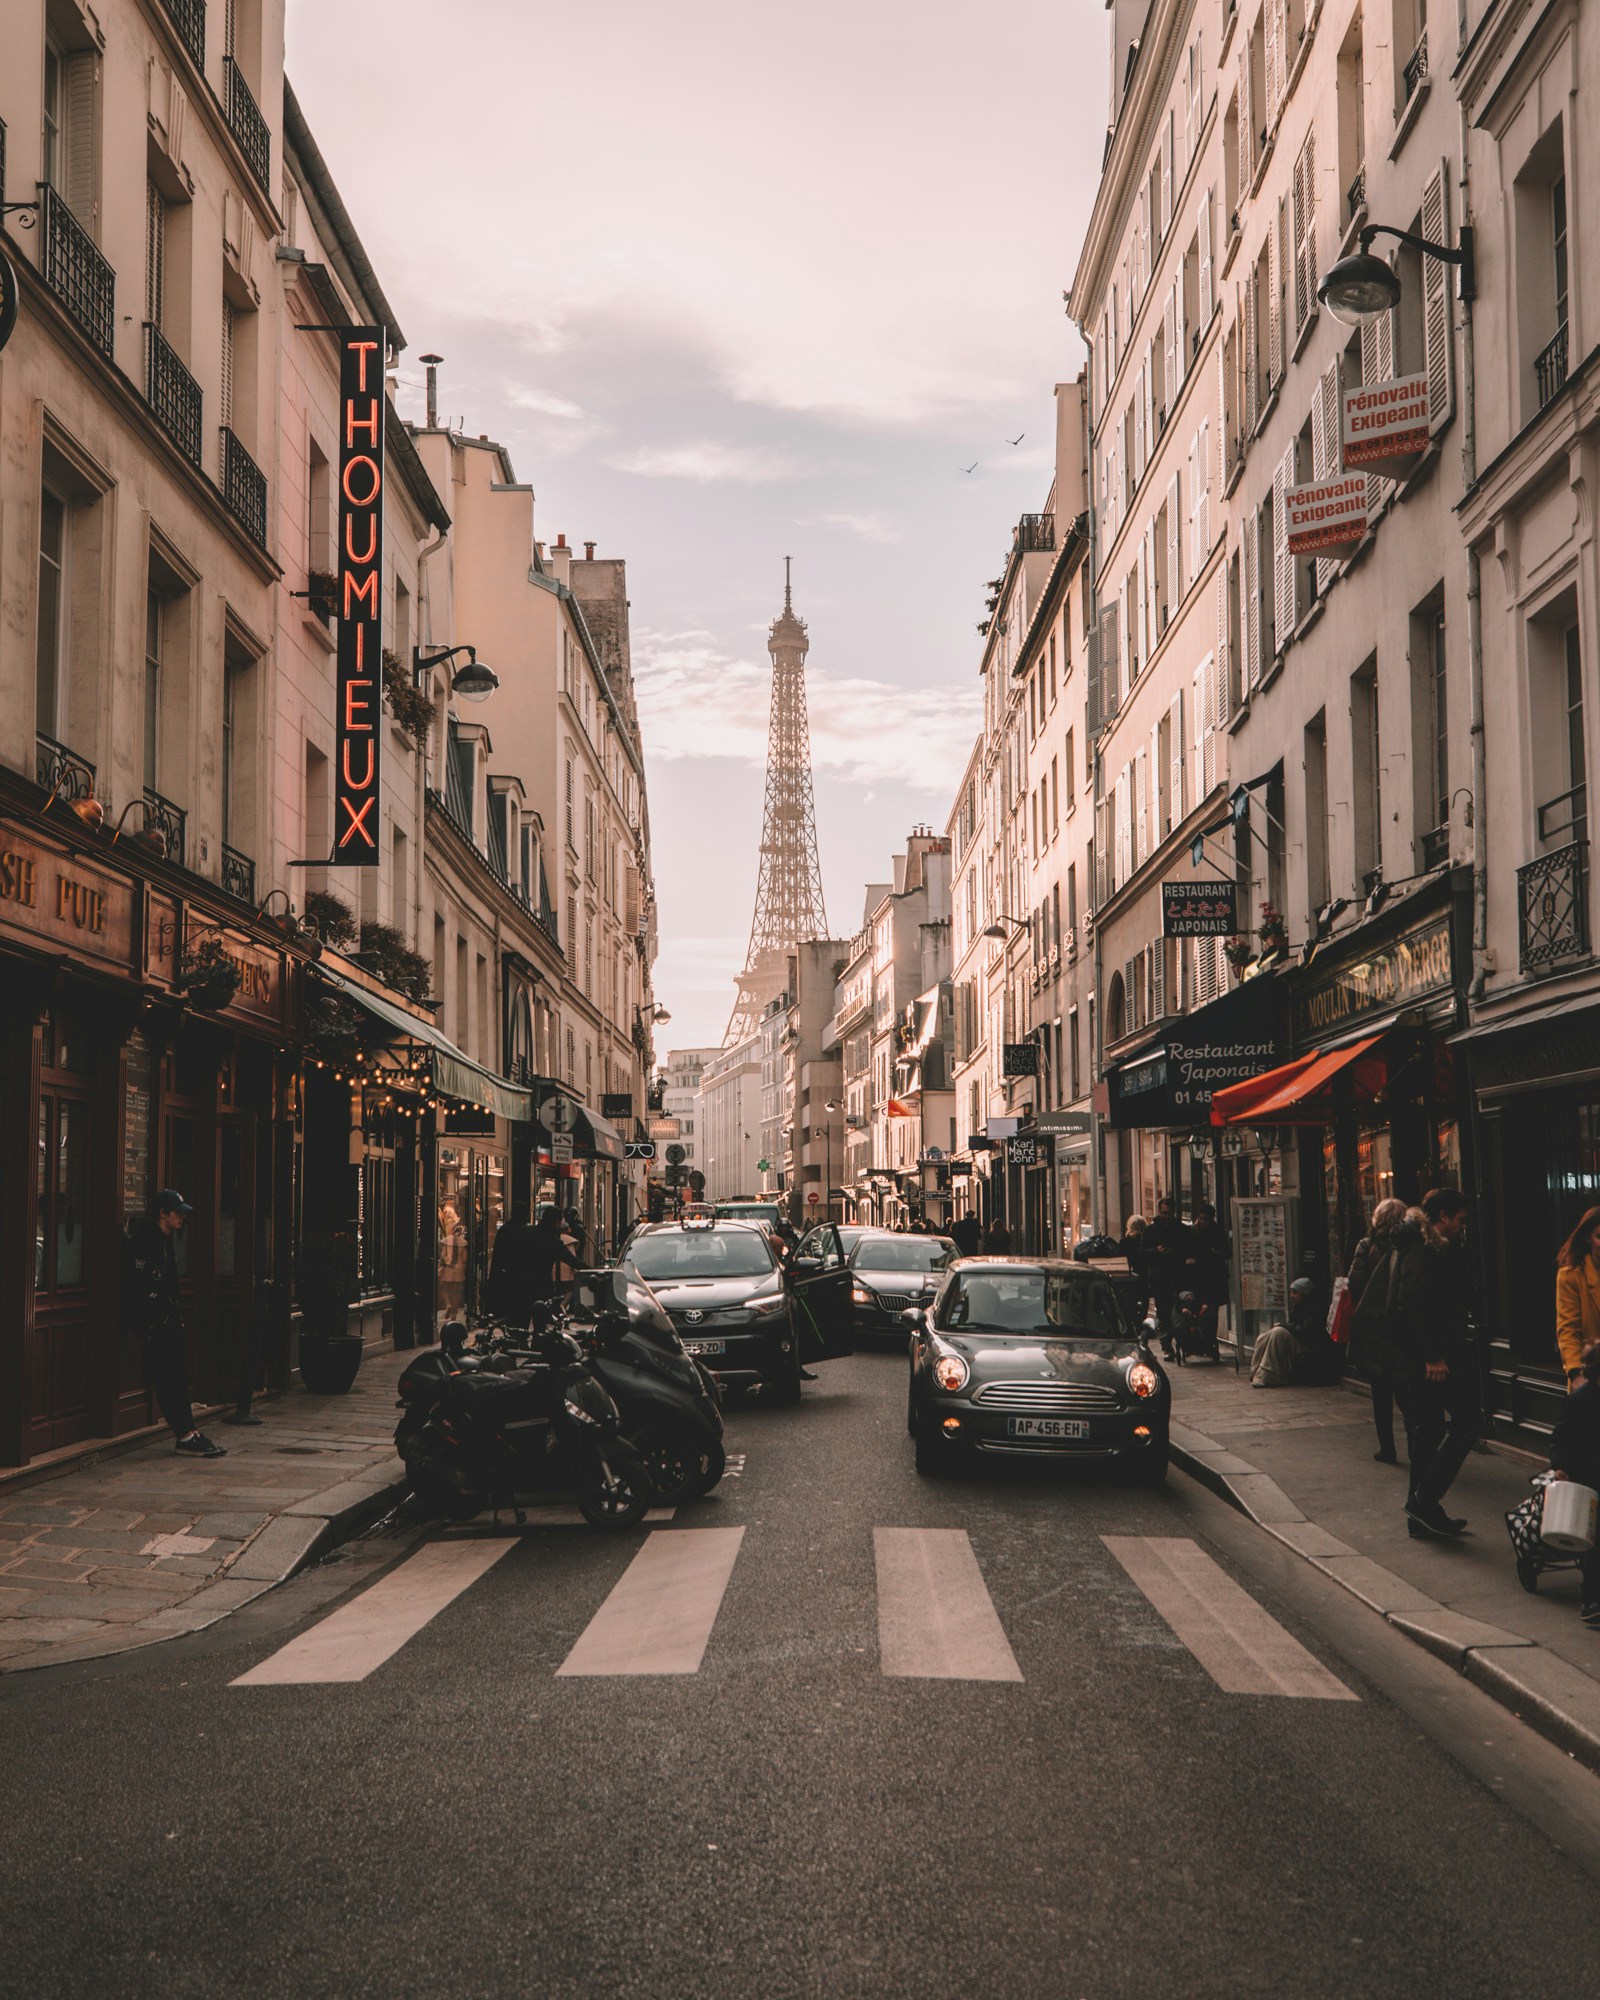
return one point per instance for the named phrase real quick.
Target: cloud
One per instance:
(747, 465)
(696, 701)
(868, 527)
(542, 402)
(688, 964)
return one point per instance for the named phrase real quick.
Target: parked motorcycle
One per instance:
(480, 1430)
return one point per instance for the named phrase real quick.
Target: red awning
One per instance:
(1301, 1092)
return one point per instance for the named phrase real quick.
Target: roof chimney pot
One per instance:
(431, 363)
(588, 551)
(561, 541)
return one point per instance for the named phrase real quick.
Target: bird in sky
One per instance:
(968, 468)
(1018, 438)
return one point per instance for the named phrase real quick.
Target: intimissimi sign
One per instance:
(359, 738)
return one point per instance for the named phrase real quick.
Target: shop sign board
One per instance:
(1384, 422)
(1406, 969)
(639, 1149)
(616, 1104)
(1237, 1036)
(358, 724)
(1023, 1152)
(66, 901)
(1021, 1059)
(1327, 518)
(1199, 909)
(1000, 1128)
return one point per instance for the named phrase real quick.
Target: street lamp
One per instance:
(474, 682)
(1362, 287)
(996, 930)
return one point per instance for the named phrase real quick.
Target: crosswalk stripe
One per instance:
(570, 1517)
(936, 1619)
(355, 1640)
(659, 1615)
(1242, 1647)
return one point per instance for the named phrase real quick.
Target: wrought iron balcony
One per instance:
(172, 392)
(189, 18)
(1550, 367)
(163, 818)
(244, 488)
(1552, 907)
(1436, 847)
(1416, 66)
(246, 122)
(75, 270)
(238, 875)
(1568, 812)
(1356, 193)
(62, 771)
(1036, 534)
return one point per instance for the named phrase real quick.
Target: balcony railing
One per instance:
(1550, 367)
(172, 392)
(1036, 534)
(1416, 66)
(1436, 847)
(244, 488)
(1565, 813)
(75, 271)
(62, 771)
(246, 122)
(1552, 907)
(163, 818)
(238, 875)
(189, 18)
(1356, 193)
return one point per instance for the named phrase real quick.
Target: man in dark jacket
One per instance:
(1167, 1247)
(1438, 1393)
(519, 1272)
(151, 1311)
(967, 1235)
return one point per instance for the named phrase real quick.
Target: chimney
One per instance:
(431, 362)
(561, 543)
(588, 551)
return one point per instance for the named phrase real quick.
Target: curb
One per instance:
(283, 1546)
(1540, 1688)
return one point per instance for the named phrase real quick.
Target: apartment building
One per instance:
(728, 1120)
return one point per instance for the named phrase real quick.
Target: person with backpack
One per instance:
(1369, 1253)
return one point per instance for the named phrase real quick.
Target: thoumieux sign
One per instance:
(360, 684)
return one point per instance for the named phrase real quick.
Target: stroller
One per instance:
(1191, 1331)
(1522, 1525)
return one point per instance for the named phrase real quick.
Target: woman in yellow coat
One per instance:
(1578, 1295)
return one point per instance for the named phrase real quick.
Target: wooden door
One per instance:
(60, 1344)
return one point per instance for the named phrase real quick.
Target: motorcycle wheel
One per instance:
(680, 1467)
(614, 1497)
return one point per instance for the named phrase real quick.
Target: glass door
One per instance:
(59, 1356)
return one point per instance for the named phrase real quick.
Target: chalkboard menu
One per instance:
(1264, 1253)
(136, 1128)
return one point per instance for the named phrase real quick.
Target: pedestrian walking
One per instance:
(1578, 1296)
(152, 1311)
(967, 1235)
(1575, 1455)
(997, 1239)
(1166, 1248)
(1368, 1254)
(1209, 1264)
(516, 1280)
(578, 1236)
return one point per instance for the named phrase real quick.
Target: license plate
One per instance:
(1050, 1427)
(701, 1347)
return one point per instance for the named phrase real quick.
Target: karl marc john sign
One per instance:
(360, 685)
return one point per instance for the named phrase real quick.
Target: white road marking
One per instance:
(936, 1620)
(734, 1466)
(1242, 1648)
(561, 1517)
(659, 1615)
(355, 1640)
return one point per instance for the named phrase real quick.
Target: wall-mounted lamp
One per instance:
(475, 681)
(1364, 287)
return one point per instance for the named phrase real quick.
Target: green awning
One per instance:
(454, 1074)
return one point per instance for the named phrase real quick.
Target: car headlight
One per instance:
(764, 1308)
(1143, 1379)
(579, 1414)
(951, 1372)
(859, 1295)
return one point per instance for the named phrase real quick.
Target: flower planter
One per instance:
(329, 1362)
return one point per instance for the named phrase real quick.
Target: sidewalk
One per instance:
(1299, 1462)
(146, 1546)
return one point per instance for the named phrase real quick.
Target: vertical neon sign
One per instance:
(360, 572)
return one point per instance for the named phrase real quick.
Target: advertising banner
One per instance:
(359, 731)
(1384, 423)
(1327, 518)
(1201, 909)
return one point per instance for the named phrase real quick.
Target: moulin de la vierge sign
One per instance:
(360, 684)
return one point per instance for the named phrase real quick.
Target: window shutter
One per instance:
(1092, 674)
(1158, 979)
(1202, 498)
(1123, 828)
(1436, 332)
(1196, 557)
(1142, 842)
(155, 254)
(1307, 253)
(1167, 150)
(1276, 343)
(1110, 662)
(1148, 222)
(225, 400)
(1191, 124)
(1326, 450)
(1252, 348)
(1171, 369)
(1180, 337)
(1140, 393)
(1205, 259)
(1152, 624)
(1160, 802)
(1249, 557)
(1224, 662)
(1301, 303)
(1175, 750)
(1174, 547)
(1370, 375)
(1247, 120)
(1147, 391)
(1285, 609)
(80, 92)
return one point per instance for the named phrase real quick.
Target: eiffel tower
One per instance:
(789, 889)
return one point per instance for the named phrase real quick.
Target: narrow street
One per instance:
(834, 1731)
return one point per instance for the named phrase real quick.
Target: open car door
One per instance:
(819, 1286)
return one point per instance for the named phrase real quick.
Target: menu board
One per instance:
(1261, 1247)
(136, 1128)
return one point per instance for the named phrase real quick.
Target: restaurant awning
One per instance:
(454, 1074)
(1301, 1092)
(604, 1141)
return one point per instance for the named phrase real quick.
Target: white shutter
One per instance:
(1250, 618)
(1302, 305)
(155, 255)
(1276, 344)
(1326, 452)
(1167, 150)
(225, 399)
(1174, 546)
(1252, 348)
(1224, 662)
(1202, 496)
(1170, 366)
(1102, 853)
(1152, 616)
(1205, 259)
(1307, 252)
(1247, 120)
(1123, 827)
(1110, 658)
(1140, 391)
(1196, 557)
(1370, 376)
(1285, 610)
(80, 93)
(1158, 979)
(1436, 331)
(1180, 332)
(1272, 67)
(1180, 807)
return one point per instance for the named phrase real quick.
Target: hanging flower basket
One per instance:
(207, 977)
(1238, 951)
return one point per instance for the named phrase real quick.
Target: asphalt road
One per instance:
(792, 1819)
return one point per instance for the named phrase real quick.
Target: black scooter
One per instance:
(476, 1431)
(670, 1406)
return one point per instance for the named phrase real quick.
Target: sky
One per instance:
(735, 282)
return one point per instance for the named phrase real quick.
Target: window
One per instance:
(225, 393)
(1067, 768)
(1305, 232)
(152, 688)
(1558, 240)
(1430, 712)
(236, 765)
(319, 509)
(1318, 891)
(572, 831)
(69, 133)
(50, 649)
(1351, 93)
(1366, 762)
(1577, 756)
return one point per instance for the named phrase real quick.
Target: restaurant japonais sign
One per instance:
(1202, 909)
(360, 686)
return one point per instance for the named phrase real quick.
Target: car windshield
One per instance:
(751, 1212)
(1032, 1302)
(701, 1253)
(900, 1253)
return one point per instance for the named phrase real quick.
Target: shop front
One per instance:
(577, 1163)
(1068, 1136)
(145, 1024)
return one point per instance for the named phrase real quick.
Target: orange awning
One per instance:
(1301, 1092)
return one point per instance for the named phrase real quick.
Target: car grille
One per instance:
(897, 1301)
(1042, 1397)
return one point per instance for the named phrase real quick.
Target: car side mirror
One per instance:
(802, 1267)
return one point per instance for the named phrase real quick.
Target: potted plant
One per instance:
(1274, 928)
(208, 978)
(1238, 951)
(330, 1353)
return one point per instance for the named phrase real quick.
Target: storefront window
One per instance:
(229, 1166)
(454, 1199)
(1374, 1166)
(72, 1181)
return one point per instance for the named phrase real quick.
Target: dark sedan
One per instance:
(890, 1272)
(1035, 1359)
